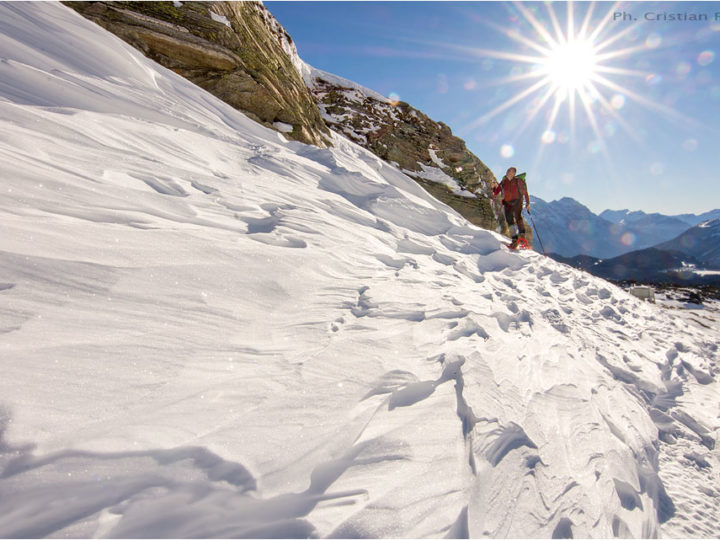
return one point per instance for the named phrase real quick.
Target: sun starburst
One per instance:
(570, 66)
(575, 66)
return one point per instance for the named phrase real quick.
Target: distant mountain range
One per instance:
(701, 242)
(638, 216)
(568, 228)
(691, 258)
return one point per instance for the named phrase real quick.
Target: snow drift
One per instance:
(207, 330)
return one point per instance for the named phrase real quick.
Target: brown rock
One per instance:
(245, 65)
(399, 133)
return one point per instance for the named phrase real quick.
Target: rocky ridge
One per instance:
(228, 49)
(240, 53)
(422, 148)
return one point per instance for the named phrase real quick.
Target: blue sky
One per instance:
(643, 137)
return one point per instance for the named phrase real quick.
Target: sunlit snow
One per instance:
(207, 330)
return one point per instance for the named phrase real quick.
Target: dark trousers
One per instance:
(513, 215)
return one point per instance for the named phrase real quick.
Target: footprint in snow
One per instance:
(609, 313)
(506, 322)
(466, 329)
(337, 324)
(554, 317)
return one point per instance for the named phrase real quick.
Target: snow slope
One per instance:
(206, 330)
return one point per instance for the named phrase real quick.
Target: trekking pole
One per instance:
(536, 231)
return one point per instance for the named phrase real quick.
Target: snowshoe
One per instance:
(520, 243)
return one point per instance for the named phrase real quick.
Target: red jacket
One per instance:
(512, 190)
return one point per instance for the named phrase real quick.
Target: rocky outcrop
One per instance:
(241, 54)
(424, 149)
(231, 49)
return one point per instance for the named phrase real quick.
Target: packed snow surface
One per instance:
(433, 174)
(207, 330)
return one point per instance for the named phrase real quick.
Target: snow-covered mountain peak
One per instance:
(628, 216)
(208, 330)
(710, 224)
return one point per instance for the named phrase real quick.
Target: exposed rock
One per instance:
(424, 149)
(228, 48)
(240, 53)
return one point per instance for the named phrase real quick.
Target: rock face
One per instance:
(241, 54)
(231, 49)
(425, 150)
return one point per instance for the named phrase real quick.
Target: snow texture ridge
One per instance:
(207, 330)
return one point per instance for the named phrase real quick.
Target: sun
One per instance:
(579, 65)
(570, 66)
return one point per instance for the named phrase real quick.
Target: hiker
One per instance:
(514, 189)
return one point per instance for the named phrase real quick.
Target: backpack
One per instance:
(520, 184)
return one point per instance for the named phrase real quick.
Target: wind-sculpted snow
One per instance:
(208, 331)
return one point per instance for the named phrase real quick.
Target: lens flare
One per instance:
(706, 58)
(581, 67)
(688, 241)
(394, 98)
(628, 239)
(657, 168)
(682, 69)
(442, 84)
(595, 147)
(548, 137)
(581, 225)
(617, 101)
(507, 151)
(690, 145)
(653, 41)
(470, 85)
